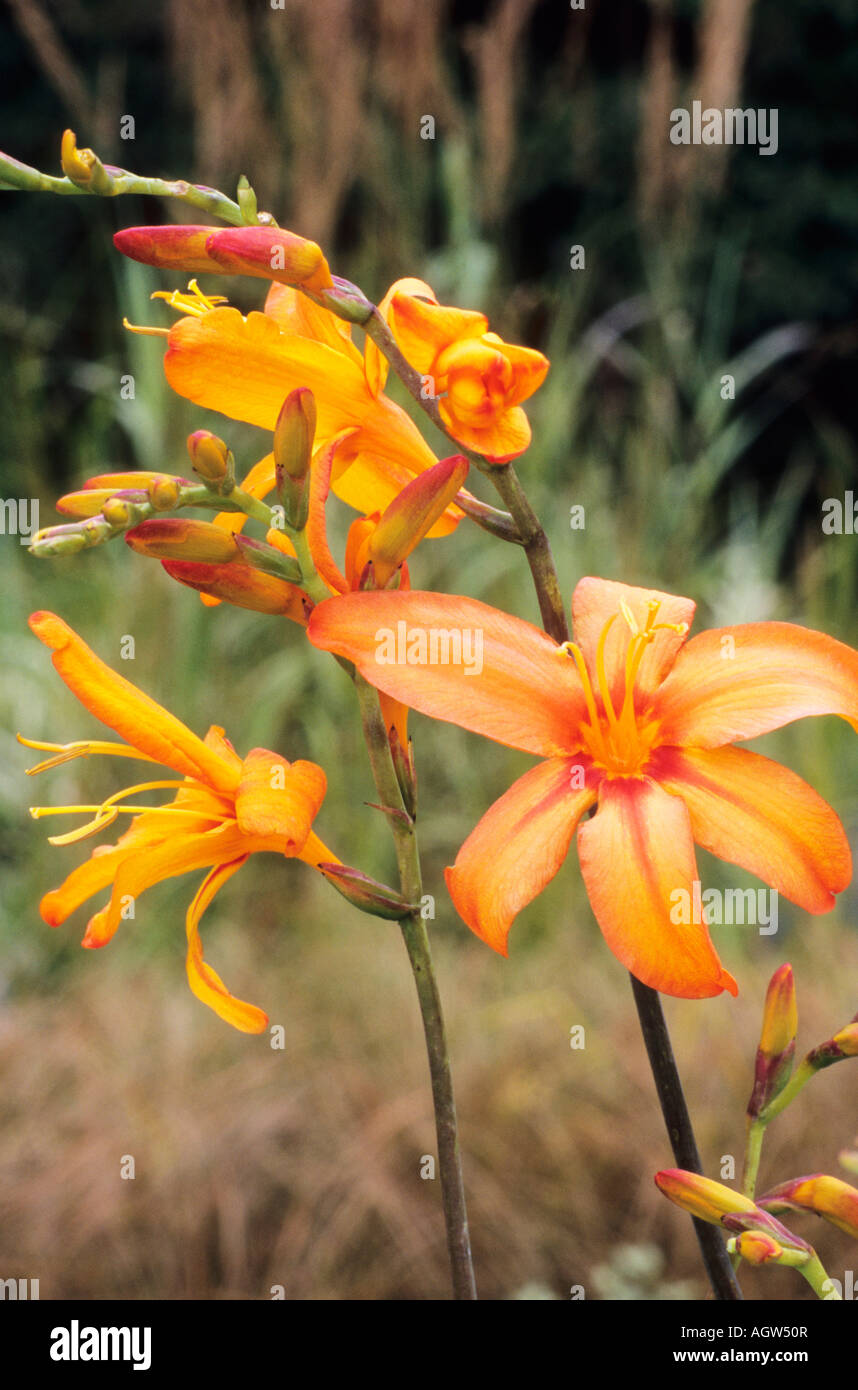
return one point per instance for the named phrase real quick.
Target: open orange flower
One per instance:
(636, 721)
(224, 809)
(244, 366)
(478, 379)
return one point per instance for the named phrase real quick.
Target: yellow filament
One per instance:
(595, 726)
(107, 811)
(600, 673)
(145, 331)
(83, 748)
(192, 301)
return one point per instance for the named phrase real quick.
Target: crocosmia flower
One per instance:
(224, 808)
(631, 720)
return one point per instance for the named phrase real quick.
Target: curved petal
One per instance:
(529, 368)
(423, 330)
(460, 660)
(317, 530)
(505, 438)
(375, 363)
(125, 709)
(596, 601)
(636, 854)
(756, 813)
(205, 982)
(518, 847)
(295, 313)
(275, 797)
(737, 682)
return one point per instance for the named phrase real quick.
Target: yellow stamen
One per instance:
(192, 301)
(145, 331)
(107, 811)
(600, 673)
(83, 748)
(594, 729)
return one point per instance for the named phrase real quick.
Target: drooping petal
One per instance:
(518, 847)
(737, 682)
(125, 709)
(317, 529)
(755, 813)
(596, 601)
(637, 860)
(504, 439)
(275, 797)
(205, 982)
(460, 660)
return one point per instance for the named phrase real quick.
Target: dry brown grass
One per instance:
(300, 1167)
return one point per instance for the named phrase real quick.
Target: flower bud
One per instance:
(828, 1197)
(268, 558)
(169, 248)
(412, 514)
(293, 451)
(176, 538)
(242, 586)
(777, 1041)
(366, 893)
(164, 493)
(757, 1248)
(83, 167)
(701, 1196)
(270, 253)
(122, 512)
(843, 1044)
(212, 461)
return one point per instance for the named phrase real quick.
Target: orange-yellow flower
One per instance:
(244, 367)
(637, 722)
(829, 1197)
(479, 380)
(225, 808)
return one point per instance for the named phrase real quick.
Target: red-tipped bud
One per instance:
(175, 538)
(828, 1197)
(412, 514)
(169, 248)
(777, 1041)
(242, 586)
(700, 1196)
(271, 253)
(89, 501)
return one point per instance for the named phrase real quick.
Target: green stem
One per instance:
(799, 1078)
(416, 940)
(819, 1281)
(538, 552)
(16, 175)
(753, 1151)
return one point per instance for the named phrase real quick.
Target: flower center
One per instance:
(192, 302)
(617, 741)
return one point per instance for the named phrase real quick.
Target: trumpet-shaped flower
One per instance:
(244, 366)
(637, 722)
(224, 809)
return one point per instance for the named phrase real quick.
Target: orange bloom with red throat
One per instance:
(636, 721)
(224, 809)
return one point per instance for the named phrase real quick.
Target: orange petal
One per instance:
(82, 883)
(636, 853)
(122, 707)
(275, 797)
(317, 532)
(205, 982)
(522, 690)
(755, 813)
(242, 586)
(735, 683)
(294, 313)
(529, 368)
(596, 601)
(517, 848)
(423, 330)
(375, 363)
(504, 439)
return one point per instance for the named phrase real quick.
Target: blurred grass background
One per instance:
(300, 1167)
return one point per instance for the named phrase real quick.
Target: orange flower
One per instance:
(635, 721)
(224, 809)
(478, 379)
(244, 367)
